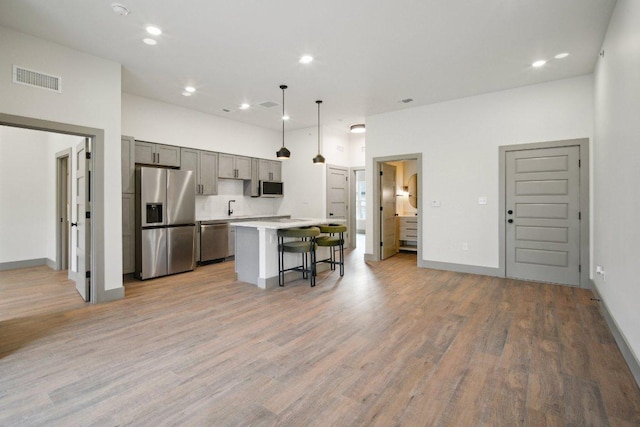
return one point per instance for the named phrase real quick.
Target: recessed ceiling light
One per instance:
(185, 93)
(190, 89)
(154, 31)
(285, 117)
(120, 9)
(244, 106)
(561, 55)
(306, 59)
(539, 63)
(150, 42)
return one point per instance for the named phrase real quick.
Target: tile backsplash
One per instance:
(213, 207)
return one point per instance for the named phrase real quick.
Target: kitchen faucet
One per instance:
(229, 210)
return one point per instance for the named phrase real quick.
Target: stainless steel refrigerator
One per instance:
(165, 222)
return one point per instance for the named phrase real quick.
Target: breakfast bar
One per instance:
(256, 258)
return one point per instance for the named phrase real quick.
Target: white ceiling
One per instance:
(368, 54)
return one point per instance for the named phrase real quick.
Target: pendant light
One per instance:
(318, 159)
(283, 153)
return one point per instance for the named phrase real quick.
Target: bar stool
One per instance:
(304, 245)
(333, 239)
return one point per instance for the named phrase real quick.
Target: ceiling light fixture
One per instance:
(150, 42)
(244, 106)
(119, 9)
(283, 153)
(319, 158)
(285, 117)
(306, 59)
(190, 89)
(539, 63)
(561, 55)
(154, 31)
(358, 128)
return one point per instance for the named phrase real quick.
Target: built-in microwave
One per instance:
(270, 189)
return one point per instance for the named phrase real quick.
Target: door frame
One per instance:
(375, 192)
(585, 220)
(61, 182)
(97, 286)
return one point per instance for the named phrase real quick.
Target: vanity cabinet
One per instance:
(407, 232)
(204, 165)
(150, 153)
(234, 167)
(269, 170)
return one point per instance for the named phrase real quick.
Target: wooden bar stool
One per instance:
(334, 240)
(304, 244)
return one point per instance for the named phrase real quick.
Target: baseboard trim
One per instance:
(50, 263)
(26, 263)
(370, 258)
(111, 295)
(461, 268)
(623, 345)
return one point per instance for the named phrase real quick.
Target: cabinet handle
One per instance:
(158, 157)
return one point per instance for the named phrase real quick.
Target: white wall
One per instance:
(617, 170)
(91, 98)
(357, 149)
(459, 141)
(28, 192)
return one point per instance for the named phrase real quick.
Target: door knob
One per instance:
(510, 212)
(510, 221)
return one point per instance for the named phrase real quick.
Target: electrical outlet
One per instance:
(465, 246)
(482, 200)
(600, 271)
(435, 203)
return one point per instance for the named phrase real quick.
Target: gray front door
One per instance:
(543, 215)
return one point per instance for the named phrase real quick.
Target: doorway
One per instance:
(544, 212)
(63, 209)
(94, 190)
(389, 203)
(358, 204)
(338, 195)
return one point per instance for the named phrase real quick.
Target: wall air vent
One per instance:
(28, 77)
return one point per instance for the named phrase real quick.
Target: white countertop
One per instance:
(285, 223)
(239, 217)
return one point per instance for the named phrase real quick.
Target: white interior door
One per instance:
(388, 211)
(83, 220)
(337, 192)
(543, 215)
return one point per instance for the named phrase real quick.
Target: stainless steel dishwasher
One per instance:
(214, 241)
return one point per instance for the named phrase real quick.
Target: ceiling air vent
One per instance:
(28, 77)
(268, 104)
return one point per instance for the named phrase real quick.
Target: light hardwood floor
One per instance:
(389, 344)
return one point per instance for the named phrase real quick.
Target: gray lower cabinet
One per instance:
(128, 164)
(128, 233)
(234, 167)
(205, 166)
(150, 153)
(269, 170)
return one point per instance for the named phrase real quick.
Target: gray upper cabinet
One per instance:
(204, 164)
(128, 165)
(234, 167)
(157, 154)
(270, 170)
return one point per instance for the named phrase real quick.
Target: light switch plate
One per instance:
(482, 200)
(435, 203)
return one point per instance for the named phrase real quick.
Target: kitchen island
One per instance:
(257, 249)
